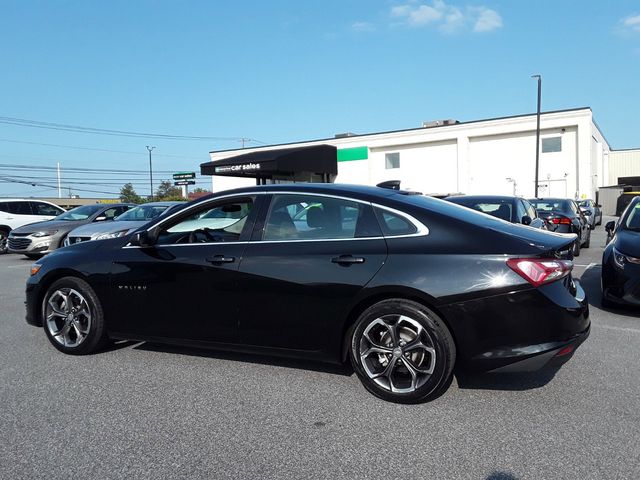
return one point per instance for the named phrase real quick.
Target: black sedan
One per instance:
(563, 215)
(405, 286)
(510, 209)
(621, 259)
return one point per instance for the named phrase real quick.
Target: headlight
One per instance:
(620, 259)
(44, 233)
(104, 236)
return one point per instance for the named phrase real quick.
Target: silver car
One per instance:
(39, 238)
(125, 223)
(592, 211)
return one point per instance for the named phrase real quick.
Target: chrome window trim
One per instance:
(422, 229)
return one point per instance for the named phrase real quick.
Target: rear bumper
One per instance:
(522, 330)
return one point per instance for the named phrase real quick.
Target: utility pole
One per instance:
(59, 189)
(150, 171)
(538, 132)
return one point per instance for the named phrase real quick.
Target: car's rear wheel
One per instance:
(402, 351)
(72, 317)
(588, 242)
(576, 248)
(4, 241)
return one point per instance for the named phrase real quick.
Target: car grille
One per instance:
(19, 243)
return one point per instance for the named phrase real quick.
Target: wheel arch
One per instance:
(387, 293)
(47, 281)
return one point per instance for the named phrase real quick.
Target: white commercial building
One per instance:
(493, 156)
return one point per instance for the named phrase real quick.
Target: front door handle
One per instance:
(220, 259)
(347, 259)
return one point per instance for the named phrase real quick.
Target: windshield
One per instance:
(142, 213)
(551, 205)
(80, 213)
(584, 203)
(632, 222)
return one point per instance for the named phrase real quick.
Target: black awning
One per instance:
(317, 159)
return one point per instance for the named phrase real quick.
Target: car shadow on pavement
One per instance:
(590, 281)
(257, 359)
(501, 476)
(505, 381)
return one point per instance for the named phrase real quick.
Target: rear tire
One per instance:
(588, 242)
(72, 317)
(4, 241)
(402, 351)
(576, 248)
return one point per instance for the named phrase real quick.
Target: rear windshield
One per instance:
(551, 205)
(500, 208)
(80, 213)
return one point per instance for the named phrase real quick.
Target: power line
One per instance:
(36, 184)
(21, 122)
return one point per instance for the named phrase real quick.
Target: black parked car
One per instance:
(511, 209)
(564, 216)
(621, 259)
(405, 286)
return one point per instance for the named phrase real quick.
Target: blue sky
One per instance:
(283, 71)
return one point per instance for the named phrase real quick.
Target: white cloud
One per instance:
(631, 23)
(448, 18)
(363, 27)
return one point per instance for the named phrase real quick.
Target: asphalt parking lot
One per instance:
(149, 411)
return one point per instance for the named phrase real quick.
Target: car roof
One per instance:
(484, 197)
(552, 199)
(160, 204)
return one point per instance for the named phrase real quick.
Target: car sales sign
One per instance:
(245, 167)
(184, 175)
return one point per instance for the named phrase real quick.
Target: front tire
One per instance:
(72, 317)
(402, 351)
(576, 248)
(588, 242)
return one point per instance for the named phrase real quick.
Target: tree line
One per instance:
(166, 192)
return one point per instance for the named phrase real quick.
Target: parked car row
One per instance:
(16, 212)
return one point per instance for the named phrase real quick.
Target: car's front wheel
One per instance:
(72, 317)
(402, 351)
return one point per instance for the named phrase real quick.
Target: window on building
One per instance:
(392, 160)
(552, 144)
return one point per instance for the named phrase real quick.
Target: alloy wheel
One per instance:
(68, 317)
(397, 353)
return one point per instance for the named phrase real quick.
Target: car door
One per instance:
(186, 285)
(20, 214)
(308, 258)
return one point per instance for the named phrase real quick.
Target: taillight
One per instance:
(560, 221)
(538, 271)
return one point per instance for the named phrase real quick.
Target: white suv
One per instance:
(16, 212)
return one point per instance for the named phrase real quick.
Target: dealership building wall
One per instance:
(623, 163)
(493, 156)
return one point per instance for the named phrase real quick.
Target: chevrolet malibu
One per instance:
(405, 287)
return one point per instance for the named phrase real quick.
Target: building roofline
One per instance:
(624, 149)
(469, 122)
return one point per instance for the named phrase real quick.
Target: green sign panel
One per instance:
(350, 154)
(184, 175)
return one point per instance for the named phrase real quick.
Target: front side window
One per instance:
(20, 208)
(45, 209)
(307, 217)
(222, 222)
(392, 160)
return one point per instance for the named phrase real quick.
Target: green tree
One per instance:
(167, 191)
(128, 194)
(200, 190)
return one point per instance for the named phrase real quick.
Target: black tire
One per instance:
(4, 241)
(576, 248)
(588, 242)
(95, 337)
(434, 355)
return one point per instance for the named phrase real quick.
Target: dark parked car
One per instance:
(39, 238)
(621, 259)
(405, 286)
(564, 216)
(511, 209)
(592, 211)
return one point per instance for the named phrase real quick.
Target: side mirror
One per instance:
(144, 238)
(101, 218)
(599, 206)
(610, 226)
(526, 220)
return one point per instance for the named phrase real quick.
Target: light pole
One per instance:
(150, 171)
(538, 131)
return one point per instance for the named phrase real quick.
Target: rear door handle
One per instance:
(220, 259)
(347, 259)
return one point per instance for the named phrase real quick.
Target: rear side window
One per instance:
(3, 207)
(393, 224)
(19, 208)
(309, 217)
(45, 209)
